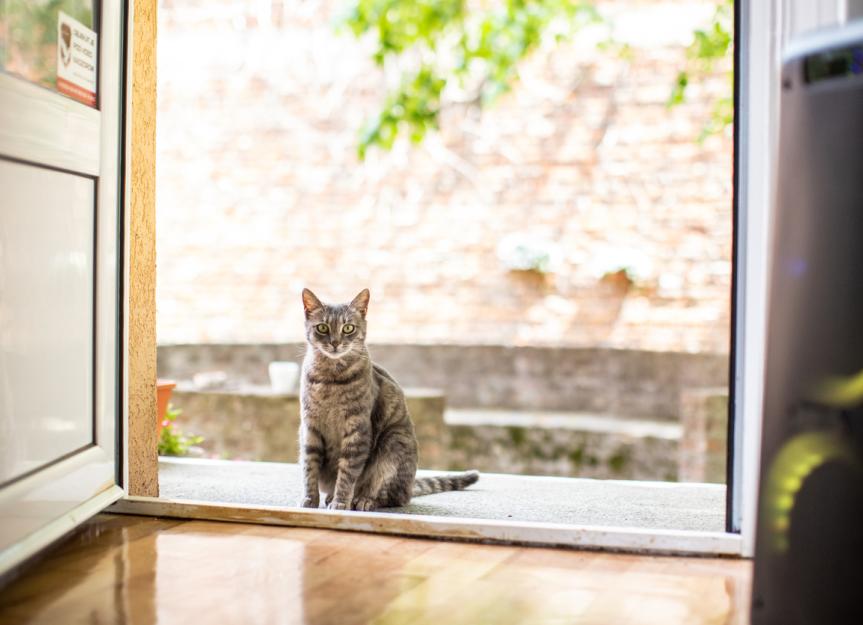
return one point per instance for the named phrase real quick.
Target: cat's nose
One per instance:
(334, 343)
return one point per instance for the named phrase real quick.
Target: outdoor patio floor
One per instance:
(607, 503)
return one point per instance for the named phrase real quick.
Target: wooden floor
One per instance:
(136, 570)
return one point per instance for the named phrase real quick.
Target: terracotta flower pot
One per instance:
(163, 396)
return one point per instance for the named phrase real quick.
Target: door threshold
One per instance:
(618, 539)
(645, 517)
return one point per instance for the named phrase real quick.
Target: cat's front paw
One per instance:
(364, 504)
(309, 502)
(335, 504)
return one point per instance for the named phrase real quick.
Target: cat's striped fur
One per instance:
(357, 442)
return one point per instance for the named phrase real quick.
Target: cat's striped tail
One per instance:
(443, 483)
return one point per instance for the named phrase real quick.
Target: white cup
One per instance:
(283, 376)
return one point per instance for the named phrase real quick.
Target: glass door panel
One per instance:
(52, 43)
(46, 316)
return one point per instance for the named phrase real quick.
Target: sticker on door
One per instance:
(76, 60)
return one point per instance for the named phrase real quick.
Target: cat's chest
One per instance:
(327, 411)
(332, 432)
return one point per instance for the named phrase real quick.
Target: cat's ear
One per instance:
(361, 302)
(310, 302)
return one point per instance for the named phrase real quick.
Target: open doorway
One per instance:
(550, 274)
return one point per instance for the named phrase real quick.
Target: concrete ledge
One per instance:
(256, 424)
(580, 421)
(704, 421)
(561, 444)
(587, 412)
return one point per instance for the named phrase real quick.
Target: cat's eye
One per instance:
(348, 328)
(322, 328)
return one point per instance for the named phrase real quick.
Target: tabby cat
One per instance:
(357, 442)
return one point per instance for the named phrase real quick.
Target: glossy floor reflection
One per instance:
(136, 570)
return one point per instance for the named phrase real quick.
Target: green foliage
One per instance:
(173, 442)
(710, 45)
(442, 44)
(620, 460)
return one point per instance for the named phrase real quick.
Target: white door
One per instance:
(60, 98)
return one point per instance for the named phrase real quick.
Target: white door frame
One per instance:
(612, 538)
(764, 26)
(767, 28)
(757, 114)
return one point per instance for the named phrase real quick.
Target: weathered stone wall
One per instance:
(560, 451)
(247, 425)
(703, 455)
(621, 414)
(264, 426)
(626, 383)
(260, 191)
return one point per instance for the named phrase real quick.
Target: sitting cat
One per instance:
(357, 442)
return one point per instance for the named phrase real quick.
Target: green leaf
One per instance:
(710, 45)
(678, 92)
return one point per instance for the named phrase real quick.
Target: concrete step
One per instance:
(253, 423)
(565, 444)
(580, 421)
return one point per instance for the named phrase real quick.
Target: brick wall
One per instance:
(260, 192)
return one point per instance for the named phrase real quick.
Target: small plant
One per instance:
(521, 252)
(174, 442)
(622, 277)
